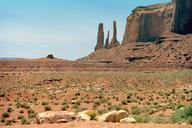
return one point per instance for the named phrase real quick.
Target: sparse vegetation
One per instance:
(183, 115)
(146, 96)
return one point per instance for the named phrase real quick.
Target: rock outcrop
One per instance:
(146, 24)
(113, 116)
(100, 37)
(108, 117)
(114, 42)
(50, 56)
(107, 45)
(128, 120)
(82, 116)
(182, 21)
(121, 114)
(55, 117)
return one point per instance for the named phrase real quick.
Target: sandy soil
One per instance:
(102, 125)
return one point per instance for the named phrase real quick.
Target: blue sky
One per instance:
(65, 28)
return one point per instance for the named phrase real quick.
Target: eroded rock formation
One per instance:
(50, 56)
(182, 21)
(146, 24)
(114, 41)
(100, 37)
(107, 45)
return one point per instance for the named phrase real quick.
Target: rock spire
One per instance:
(114, 41)
(100, 37)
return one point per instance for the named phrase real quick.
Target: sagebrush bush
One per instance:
(182, 115)
(92, 114)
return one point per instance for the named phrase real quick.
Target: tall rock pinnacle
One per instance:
(107, 45)
(114, 41)
(100, 37)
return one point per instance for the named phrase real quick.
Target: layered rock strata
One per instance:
(146, 24)
(182, 21)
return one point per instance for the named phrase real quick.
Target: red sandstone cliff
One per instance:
(146, 24)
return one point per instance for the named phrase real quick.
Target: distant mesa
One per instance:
(50, 56)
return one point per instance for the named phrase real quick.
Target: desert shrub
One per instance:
(3, 120)
(14, 120)
(159, 119)
(124, 102)
(2, 94)
(65, 107)
(75, 106)
(92, 114)
(24, 121)
(31, 113)
(18, 104)
(64, 102)
(180, 106)
(151, 119)
(135, 110)
(142, 118)
(21, 111)
(47, 108)
(96, 102)
(20, 117)
(77, 94)
(115, 107)
(8, 122)
(5, 115)
(86, 100)
(22, 105)
(9, 109)
(44, 103)
(25, 105)
(182, 115)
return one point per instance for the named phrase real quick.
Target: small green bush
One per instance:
(182, 115)
(92, 114)
(24, 121)
(32, 115)
(135, 110)
(5, 115)
(65, 107)
(142, 118)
